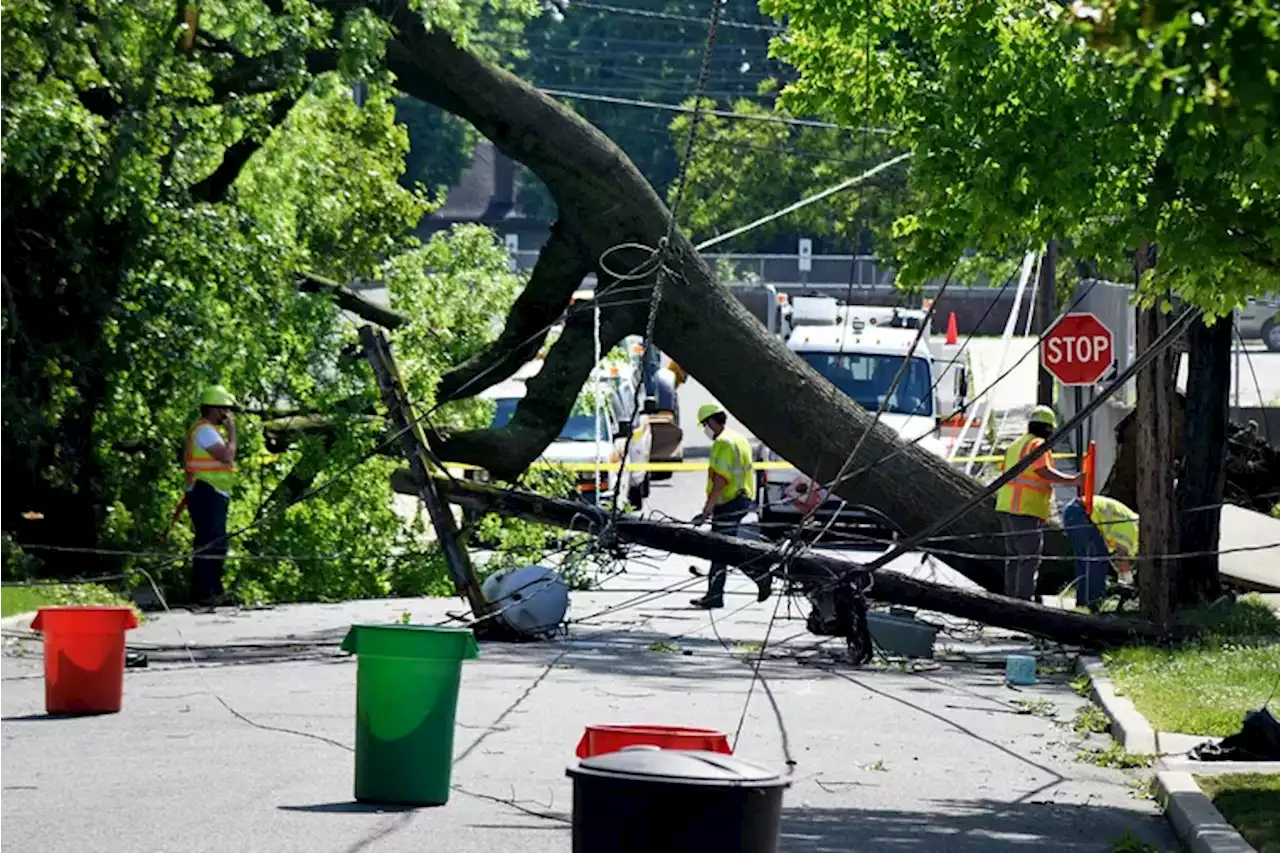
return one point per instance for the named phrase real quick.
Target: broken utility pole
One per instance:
(812, 571)
(413, 444)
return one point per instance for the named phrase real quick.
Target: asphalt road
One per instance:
(225, 756)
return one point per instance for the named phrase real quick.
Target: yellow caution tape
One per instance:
(672, 467)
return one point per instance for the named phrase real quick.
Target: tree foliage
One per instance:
(157, 204)
(746, 169)
(1024, 129)
(644, 57)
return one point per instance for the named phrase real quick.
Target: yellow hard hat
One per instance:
(706, 410)
(216, 395)
(1043, 415)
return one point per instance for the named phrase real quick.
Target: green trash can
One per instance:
(407, 679)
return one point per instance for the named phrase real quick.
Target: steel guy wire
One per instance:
(1266, 422)
(773, 119)
(660, 254)
(915, 540)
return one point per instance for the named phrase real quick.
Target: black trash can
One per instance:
(649, 800)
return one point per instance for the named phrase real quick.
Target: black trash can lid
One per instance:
(681, 767)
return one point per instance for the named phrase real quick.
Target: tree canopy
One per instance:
(163, 186)
(1112, 126)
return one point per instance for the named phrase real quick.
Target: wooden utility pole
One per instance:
(413, 444)
(1046, 308)
(1157, 579)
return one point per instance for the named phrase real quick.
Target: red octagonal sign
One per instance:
(1078, 349)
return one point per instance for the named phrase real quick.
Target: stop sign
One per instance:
(1078, 349)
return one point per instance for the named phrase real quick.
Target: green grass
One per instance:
(1251, 803)
(24, 599)
(1205, 686)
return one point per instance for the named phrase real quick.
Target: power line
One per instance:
(622, 91)
(566, 6)
(677, 108)
(791, 208)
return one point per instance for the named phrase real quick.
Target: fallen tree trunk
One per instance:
(813, 569)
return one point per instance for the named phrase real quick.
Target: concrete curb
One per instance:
(1129, 728)
(1200, 826)
(18, 621)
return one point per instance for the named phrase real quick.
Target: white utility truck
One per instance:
(860, 349)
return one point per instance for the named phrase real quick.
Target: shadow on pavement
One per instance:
(970, 826)
(351, 807)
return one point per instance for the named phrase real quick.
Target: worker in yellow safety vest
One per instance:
(1025, 503)
(731, 488)
(1107, 533)
(209, 462)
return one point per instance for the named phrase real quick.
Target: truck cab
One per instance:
(860, 352)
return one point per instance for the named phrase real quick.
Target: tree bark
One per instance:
(700, 324)
(215, 187)
(560, 269)
(812, 570)
(1204, 459)
(1155, 452)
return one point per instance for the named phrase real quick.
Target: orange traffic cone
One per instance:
(952, 336)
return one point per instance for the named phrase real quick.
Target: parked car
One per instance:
(580, 442)
(1260, 318)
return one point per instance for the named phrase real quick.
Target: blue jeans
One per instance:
(726, 520)
(208, 510)
(1093, 559)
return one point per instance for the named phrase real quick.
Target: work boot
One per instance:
(706, 603)
(764, 588)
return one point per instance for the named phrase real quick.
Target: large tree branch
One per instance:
(348, 300)
(559, 271)
(215, 187)
(552, 394)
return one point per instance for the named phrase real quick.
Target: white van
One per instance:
(861, 356)
(579, 440)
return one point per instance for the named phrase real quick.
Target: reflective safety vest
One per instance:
(731, 458)
(1028, 493)
(1117, 523)
(200, 464)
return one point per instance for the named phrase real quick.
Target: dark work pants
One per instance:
(1023, 540)
(726, 520)
(208, 510)
(1093, 559)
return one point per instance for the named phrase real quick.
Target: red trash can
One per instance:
(83, 657)
(600, 740)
